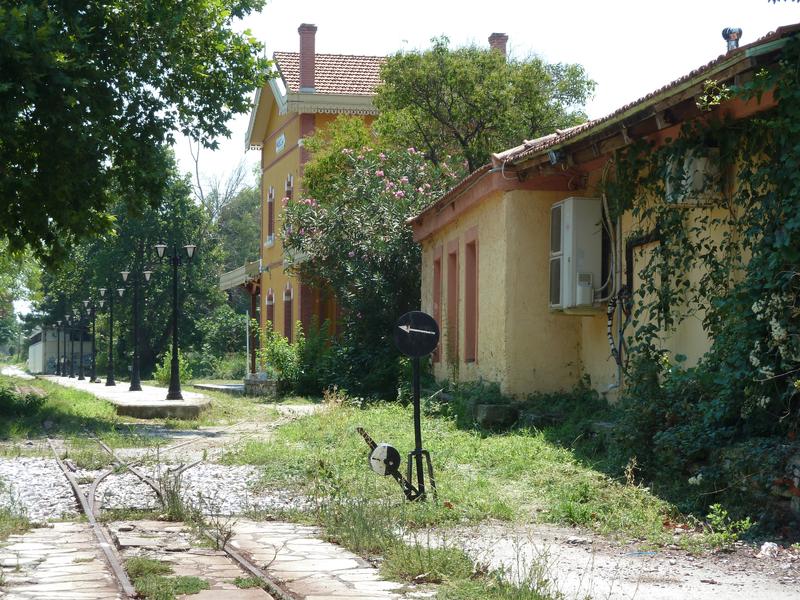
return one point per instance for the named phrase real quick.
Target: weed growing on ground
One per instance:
(203, 516)
(171, 423)
(516, 475)
(246, 583)
(109, 515)
(85, 453)
(149, 577)
(140, 566)
(12, 516)
(718, 531)
(423, 563)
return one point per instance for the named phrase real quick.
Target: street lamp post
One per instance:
(71, 321)
(58, 348)
(174, 392)
(110, 376)
(136, 382)
(64, 350)
(92, 310)
(79, 318)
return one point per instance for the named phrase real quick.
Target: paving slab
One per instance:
(156, 538)
(62, 562)
(150, 403)
(235, 389)
(309, 567)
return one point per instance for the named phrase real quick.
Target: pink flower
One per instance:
(378, 173)
(382, 156)
(421, 190)
(389, 184)
(404, 179)
(400, 194)
(346, 151)
(285, 200)
(351, 254)
(412, 150)
(427, 186)
(302, 231)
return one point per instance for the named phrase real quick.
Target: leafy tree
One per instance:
(357, 244)
(19, 279)
(469, 102)
(97, 262)
(322, 175)
(90, 92)
(239, 228)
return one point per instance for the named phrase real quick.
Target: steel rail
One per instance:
(102, 537)
(154, 485)
(270, 585)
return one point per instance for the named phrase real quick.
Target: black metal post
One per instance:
(93, 378)
(110, 376)
(174, 392)
(80, 360)
(136, 383)
(58, 350)
(418, 429)
(64, 353)
(71, 353)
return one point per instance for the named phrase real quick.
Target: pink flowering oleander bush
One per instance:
(356, 243)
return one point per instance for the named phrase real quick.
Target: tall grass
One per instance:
(514, 476)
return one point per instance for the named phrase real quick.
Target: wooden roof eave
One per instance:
(616, 133)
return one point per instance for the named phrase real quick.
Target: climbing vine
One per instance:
(720, 208)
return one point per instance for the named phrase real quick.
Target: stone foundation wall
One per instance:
(261, 387)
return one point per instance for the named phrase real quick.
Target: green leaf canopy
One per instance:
(90, 91)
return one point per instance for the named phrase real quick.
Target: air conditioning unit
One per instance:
(693, 179)
(576, 256)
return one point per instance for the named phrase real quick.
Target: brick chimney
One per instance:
(307, 56)
(497, 41)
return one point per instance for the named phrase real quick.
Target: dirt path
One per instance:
(581, 565)
(11, 371)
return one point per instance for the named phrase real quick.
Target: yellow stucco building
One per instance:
(516, 265)
(310, 90)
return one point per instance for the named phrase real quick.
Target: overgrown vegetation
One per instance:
(163, 371)
(71, 413)
(12, 516)
(724, 429)
(469, 102)
(360, 249)
(153, 580)
(517, 475)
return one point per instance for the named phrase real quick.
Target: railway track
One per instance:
(90, 507)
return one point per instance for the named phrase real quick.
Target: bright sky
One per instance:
(629, 47)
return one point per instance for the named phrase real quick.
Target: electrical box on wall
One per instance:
(576, 256)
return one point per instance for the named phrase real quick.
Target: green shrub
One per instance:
(201, 364)
(280, 358)
(164, 370)
(16, 404)
(230, 366)
(313, 355)
(692, 440)
(465, 395)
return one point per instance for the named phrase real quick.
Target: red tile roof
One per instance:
(531, 147)
(341, 74)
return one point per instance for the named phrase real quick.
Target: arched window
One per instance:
(288, 317)
(271, 308)
(270, 217)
